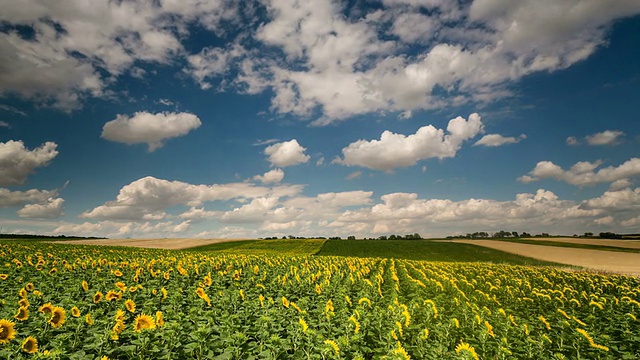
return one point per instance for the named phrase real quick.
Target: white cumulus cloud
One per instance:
(583, 173)
(607, 137)
(149, 197)
(50, 210)
(494, 140)
(150, 129)
(17, 162)
(270, 177)
(397, 150)
(286, 153)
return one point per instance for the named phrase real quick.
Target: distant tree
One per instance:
(514, 233)
(382, 237)
(588, 234)
(525, 234)
(392, 237)
(351, 237)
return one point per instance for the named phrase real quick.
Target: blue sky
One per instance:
(271, 118)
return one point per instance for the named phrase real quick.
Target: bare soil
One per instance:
(598, 260)
(171, 244)
(629, 244)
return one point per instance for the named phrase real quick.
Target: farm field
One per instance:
(427, 250)
(600, 260)
(165, 243)
(88, 302)
(627, 244)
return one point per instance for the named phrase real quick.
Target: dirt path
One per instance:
(172, 244)
(629, 244)
(609, 261)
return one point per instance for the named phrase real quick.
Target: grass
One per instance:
(424, 250)
(221, 246)
(572, 245)
(271, 247)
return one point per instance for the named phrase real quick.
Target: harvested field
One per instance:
(606, 261)
(171, 244)
(629, 244)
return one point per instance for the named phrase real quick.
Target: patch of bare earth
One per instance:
(599, 260)
(171, 244)
(629, 244)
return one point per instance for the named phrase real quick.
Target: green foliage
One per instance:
(422, 250)
(236, 306)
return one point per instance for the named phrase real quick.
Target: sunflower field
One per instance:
(84, 302)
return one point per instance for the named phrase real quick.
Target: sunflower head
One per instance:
(88, 319)
(46, 308)
(97, 297)
(24, 303)
(30, 345)
(85, 285)
(7, 333)
(29, 287)
(159, 318)
(75, 312)
(22, 314)
(58, 316)
(22, 293)
(120, 285)
(144, 322)
(130, 305)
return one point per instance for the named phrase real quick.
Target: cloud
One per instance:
(5, 124)
(607, 137)
(78, 51)
(152, 129)
(17, 162)
(265, 142)
(397, 150)
(15, 198)
(341, 66)
(572, 140)
(199, 214)
(317, 57)
(270, 177)
(582, 173)
(50, 210)
(286, 153)
(494, 140)
(615, 200)
(354, 175)
(149, 197)
(255, 211)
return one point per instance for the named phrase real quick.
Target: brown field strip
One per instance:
(606, 261)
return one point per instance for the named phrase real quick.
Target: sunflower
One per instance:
(144, 322)
(120, 285)
(85, 285)
(97, 297)
(159, 318)
(3, 276)
(75, 312)
(30, 345)
(22, 293)
(7, 333)
(119, 315)
(58, 316)
(130, 305)
(29, 287)
(23, 314)
(88, 319)
(24, 303)
(113, 296)
(117, 273)
(53, 271)
(46, 308)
